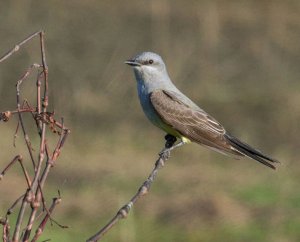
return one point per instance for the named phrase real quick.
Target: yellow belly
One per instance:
(175, 133)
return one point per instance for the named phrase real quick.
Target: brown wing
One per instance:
(194, 124)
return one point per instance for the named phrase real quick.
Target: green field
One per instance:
(239, 60)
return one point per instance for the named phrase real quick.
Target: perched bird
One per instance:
(169, 109)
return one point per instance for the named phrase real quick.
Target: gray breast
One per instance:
(148, 108)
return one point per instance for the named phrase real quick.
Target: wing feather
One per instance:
(192, 123)
(198, 126)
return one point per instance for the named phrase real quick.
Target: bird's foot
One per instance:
(170, 140)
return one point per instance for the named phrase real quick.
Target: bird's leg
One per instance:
(170, 141)
(182, 142)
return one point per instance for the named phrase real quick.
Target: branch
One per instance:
(17, 47)
(13, 161)
(33, 197)
(42, 225)
(41, 182)
(5, 231)
(143, 190)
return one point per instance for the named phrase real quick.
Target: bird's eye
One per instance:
(150, 61)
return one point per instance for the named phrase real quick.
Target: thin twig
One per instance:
(20, 160)
(17, 47)
(31, 193)
(26, 137)
(38, 101)
(25, 172)
(42, 225)
(42, 118)
(38, 195)
(17, 157)
(10, 210)
(143, 190)
(5, 230)
(24, 204)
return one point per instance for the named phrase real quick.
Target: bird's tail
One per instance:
(247, 150)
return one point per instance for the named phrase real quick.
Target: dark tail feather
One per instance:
(251, 152)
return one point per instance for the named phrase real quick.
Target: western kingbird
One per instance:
(169, 109)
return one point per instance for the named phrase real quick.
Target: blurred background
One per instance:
(239, 60)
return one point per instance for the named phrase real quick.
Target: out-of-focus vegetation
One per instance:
(239, 60)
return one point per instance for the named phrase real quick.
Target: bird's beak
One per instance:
(132, 63)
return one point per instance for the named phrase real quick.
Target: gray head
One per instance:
(151, 74)
(148, 66)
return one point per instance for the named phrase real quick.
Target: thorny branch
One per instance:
(143, 190)
(41, 163)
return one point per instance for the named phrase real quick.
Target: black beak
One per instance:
(132, 63)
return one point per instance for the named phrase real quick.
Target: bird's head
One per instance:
(147, 65)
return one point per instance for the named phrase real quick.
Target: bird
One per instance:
(173, 112)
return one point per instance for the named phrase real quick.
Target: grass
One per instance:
(192, 199)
